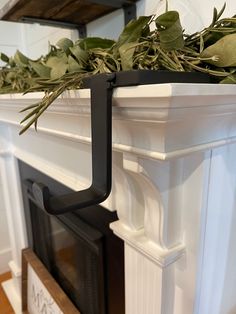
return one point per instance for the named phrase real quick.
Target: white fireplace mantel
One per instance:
(198, 115)
(174, 186)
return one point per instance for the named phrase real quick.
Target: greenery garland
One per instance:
(167, 47)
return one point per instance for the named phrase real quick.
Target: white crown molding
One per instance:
(161, 121)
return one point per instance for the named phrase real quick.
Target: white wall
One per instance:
(10, 37)
(36, 38)
(10, 41)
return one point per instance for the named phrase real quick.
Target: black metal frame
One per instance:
(101, 119)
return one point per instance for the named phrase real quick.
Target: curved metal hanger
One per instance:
(101, 124)
(101, 127)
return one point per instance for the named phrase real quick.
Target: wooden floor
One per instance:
(5, 307)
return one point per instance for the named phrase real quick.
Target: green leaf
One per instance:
(170, 31)
(58, 71)
(95, 42)
(80, 54)
(4, 57)
(20, 59)
(41, 69)
(58, 65)
(126, 54)
(222, 53)
(73, 65)
(12, 62)
(215, 15)
(231, 79)
(221, 11)
(64, 44)
(133, 31)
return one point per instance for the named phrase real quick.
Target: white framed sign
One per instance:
(40, 292)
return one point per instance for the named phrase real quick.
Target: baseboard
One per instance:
(12, 295)
(12, 287)
(5, 257)
(15, 270)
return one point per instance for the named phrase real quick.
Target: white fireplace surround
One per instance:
(174, 187)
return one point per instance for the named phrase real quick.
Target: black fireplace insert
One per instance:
(78, 248)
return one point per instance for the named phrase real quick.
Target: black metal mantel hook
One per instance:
(101, 119)
(101, 127)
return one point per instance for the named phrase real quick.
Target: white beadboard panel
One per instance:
(228, 304)
(186, 199)
(141, 296)
(217, 294)
(150, 289)
(195, 184)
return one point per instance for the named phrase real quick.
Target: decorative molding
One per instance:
(129, 200)
(139, 241)
(152, 202)
(147, 119)
(145, 153)
(144, 223)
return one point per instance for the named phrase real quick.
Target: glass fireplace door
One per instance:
(78, 248)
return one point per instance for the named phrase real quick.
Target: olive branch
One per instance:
(167, 47)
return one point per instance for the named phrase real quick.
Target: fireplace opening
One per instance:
(77, 248)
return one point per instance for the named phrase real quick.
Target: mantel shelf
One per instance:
(160, 121)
